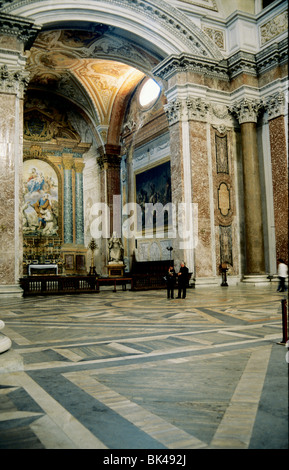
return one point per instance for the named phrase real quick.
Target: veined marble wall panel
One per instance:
(11, 164)
(201, 196)
(224, 155)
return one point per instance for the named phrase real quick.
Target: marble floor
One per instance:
(133, 370)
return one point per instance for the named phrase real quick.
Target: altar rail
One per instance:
(45, 285)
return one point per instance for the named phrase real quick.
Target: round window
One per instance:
(149, 93)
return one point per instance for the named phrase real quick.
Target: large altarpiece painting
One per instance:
(40, 199)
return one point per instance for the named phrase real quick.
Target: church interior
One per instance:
(139, 134)
(84, 142)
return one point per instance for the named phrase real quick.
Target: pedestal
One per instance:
(115, 270)
(256, 280)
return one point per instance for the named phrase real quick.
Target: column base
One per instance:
(11, 291)
(5, 342)
(256, 280)
(206, 282)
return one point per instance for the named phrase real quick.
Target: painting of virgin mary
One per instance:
(40, 196)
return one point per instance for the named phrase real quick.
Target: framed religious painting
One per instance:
(153, 195)
(40, 199)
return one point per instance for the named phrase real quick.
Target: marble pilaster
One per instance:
(16, 34)
(191, 183)
(12, 83)
(67, 199)
(279, 165)
(79, 217)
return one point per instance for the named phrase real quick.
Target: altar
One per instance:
(41, 269)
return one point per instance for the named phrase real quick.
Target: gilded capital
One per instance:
(79, 166)
(67, 161)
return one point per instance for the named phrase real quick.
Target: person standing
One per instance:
(282, 274)
(171, 280)
(183, 276)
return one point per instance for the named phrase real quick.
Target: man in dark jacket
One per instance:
(171, 280)
(183, 277)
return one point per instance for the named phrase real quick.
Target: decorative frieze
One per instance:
(274, 27)
(216, 35)
(196, 109)
(207, 4)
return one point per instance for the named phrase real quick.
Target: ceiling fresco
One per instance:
(96, 70)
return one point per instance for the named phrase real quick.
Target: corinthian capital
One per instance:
(275, 105)
(173, 111)
(13, 81)
(247, 110)
(197, 109)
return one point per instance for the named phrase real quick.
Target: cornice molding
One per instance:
(24, 30)
(242, 62)
(239, 63)
(187, 62)
(274, 55)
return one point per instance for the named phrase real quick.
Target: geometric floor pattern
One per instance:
(133, 370)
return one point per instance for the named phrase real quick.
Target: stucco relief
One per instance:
(274, 27)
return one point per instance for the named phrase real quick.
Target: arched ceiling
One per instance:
(63, 61)
(163, 29)
(96, 53)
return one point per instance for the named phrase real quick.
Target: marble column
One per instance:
(109, 162)
(247, 112)
(79, 218)
(68, 163)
